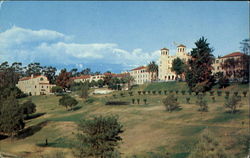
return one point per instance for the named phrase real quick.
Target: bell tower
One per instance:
(181, 50)
(164, 51)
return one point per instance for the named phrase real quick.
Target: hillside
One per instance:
(149, 129)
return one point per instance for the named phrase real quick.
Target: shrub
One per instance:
(130, 93)
(145, 101)
(138, 101)
(171, 103)
(183, 92)
(176, 91)
(114, 95)
(190, 92)
(165, 92)
(219, 93)
(98, 137)
(68, 101)
(122, 94)
(171, 91)
(159, 92)
(244, 93)
(28, 108)
(188, 100)
(227, 93)
(133, 101)
(211, 93)
(213, 98)
(57, 89)
(90, 100)
(202, 104)
(139, 92)
(226, 97)
(148, 92)
(153, 92)
(236, 93)
(232, 103)
(143, 92)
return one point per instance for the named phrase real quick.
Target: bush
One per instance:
(138, 101)
(148, 92)
(219, 93)
(159, 92)
(190, 92)
(170, 102)
(244, 93)
(130, 93)
(114, 95)
(236, 93)
(171, 91)
(202, 104)
(90, 100)
(153, 92)
(133, 101)
(98, 137)
(28, 108)
(176, 91)
(145, 101)
(232, 103)
(122, 94)
(143, 92)
(211, 93)
(57, 89)
(183, 92)
(227, 93)
(139, 92)
(68, 101)
(213, 98)
(165, 92)
(188, 100)
(226, 97)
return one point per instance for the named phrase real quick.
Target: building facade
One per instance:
(165, 62)
(140, 75)
(35, 85)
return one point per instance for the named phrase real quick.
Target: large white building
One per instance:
(165, 62)
(141, 75)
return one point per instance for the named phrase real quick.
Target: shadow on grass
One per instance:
(31, 130)
(35, 115)
(76, 108)
(226, 116)
(2, 137)
(58, 143)
(117, 103)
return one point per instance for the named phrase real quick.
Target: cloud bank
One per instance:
(54, 48)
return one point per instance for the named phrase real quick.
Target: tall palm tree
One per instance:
(153, 70)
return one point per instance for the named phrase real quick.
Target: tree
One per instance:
(86, 71)
(153, 69)
(223, 81)
(57, 89)
(73, 72)
(202, 103)
(63, 79)
(208, 147)
(68, 101)
(28, 108)
(200, 65)
(50, 73)
(34, 69)
(129, 79)
(84, 90)
(11, 114)
(100, 83)
(170, 102)
(98, 137)
(179, 67)
(232, 103)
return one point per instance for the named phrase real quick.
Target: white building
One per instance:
(140, 75)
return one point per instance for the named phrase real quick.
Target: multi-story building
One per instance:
(165, 63)
(230, 65)
(82, 78)
(140, 75)
(35, 85)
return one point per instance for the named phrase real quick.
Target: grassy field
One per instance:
(149, 129)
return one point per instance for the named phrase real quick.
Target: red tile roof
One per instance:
(181, 45)
(234, 54)
(138, 68)
(81, 77)
(27, 78)
(164, 49)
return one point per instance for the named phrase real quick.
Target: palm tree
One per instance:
(153, 69)
(129, 79)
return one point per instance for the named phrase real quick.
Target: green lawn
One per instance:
(149, 129)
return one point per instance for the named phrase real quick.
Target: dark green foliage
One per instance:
(219, 93)
(133, 101)
(227, 97)
(190, 92)
(227, 93)
(130, 93)
(149, 92)
(139, 92)
(98, 137)
(188, 100)
(211, 93)
(170, 102)
(176, 91)
(122, 94)
(159, 92)
(244, 93)
(208, 147)
(232, 103)
(143, 92)
(165, 92)
(199, 75)
(171, 91)
(138, 101)
(89, 100)
(29, 107)
(223, 82)
(153, 70)
(145, 101)
(84, 90)
(117, 103)
(179, 67)
(100, 83)
(154, 92)
(201, 103)
(11, 114)
(183, 92)
(57, 89)
(68, 101)
(114, 95)
(244, 143)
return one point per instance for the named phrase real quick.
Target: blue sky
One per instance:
(115, 36)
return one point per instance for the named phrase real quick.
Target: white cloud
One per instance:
(52, 47)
